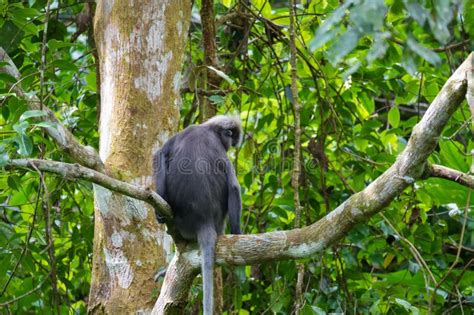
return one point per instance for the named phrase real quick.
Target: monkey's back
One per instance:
(196, 181)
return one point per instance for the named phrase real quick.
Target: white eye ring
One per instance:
(228, 133)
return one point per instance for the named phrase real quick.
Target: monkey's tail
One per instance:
(207, 241)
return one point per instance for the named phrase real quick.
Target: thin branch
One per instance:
(450, 174)
(75, 171)
(295, 176)
(84, 155)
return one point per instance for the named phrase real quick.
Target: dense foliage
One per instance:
(367, 72)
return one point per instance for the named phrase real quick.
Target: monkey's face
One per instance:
(235, 136)
(229, 137)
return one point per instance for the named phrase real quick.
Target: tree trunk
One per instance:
(140, 47)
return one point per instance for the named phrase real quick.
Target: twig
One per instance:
(295, 176)
(450, 174)
(76, 171)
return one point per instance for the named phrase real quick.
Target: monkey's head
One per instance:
(228, 129)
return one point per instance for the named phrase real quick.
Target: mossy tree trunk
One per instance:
(140, 47)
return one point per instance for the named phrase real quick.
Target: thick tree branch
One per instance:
(83, 155)
(307, 241)
(450, 174)
(304, 242)
(180, 274)
(75, 171)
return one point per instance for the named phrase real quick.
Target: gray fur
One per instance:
(194, 175)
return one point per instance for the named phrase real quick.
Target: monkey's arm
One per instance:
(234, 203)
(159, 175)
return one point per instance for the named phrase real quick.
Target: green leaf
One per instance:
(14, 182)
(5, 77)
(21, 127)
(394, 116)
(369, 15)
(321, 36)
(440, 20)
(27, 26)
(4, 158)
(222, 75)
(379, 47)
(289, 94)
(415, 10)
(217, 99)
(263, 7)
(55, 44)
(343, 46)
(25, 13)
(5, 95)
(45, 124)
(312, 309)
(64, 65)
(407, 306)
(10, 36)
(451, 156)
(32, 113)
(423, 52)
(320, 39)
(408, 62)
(226, 3)
(413, 267)
(368, 103)
(25, 145)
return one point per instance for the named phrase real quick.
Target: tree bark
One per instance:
(210, 80)
(141, 46)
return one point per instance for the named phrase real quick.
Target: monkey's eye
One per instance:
(228, 133)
